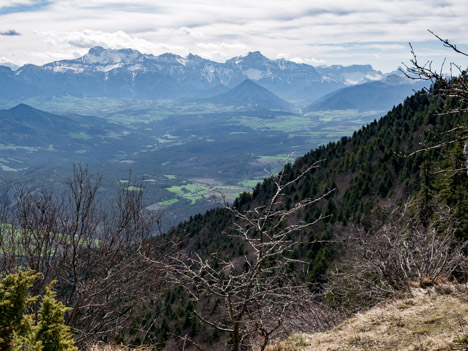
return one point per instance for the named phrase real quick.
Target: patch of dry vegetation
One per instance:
(104, 347)
(426, 319)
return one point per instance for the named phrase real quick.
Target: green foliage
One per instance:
(51, 330)
(14, 300)
(20, 331)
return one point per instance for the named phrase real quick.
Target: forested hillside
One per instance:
(383, 161)
(414, 153)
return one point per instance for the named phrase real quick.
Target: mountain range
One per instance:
(127, 73)
(375, 95)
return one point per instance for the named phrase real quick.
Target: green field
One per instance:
(169, 202)
(198, 191)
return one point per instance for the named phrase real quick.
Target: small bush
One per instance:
(25, 332)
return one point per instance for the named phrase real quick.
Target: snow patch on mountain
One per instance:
(182, 61)
(103, 57)
(108, 71)
(253, 74)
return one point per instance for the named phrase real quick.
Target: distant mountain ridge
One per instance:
(129, 73)
(249, 93)
(379, 95)
(350, 75)
(25, 125)
(30, 135)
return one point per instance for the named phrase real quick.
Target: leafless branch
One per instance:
(397, 253)
(94, 254)
(258, 290)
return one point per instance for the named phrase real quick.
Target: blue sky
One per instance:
(311, 31)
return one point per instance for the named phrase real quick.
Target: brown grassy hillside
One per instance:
(425, 320)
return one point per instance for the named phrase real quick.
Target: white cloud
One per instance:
(221, 46)
(310, 61)
(282, 55)
(339, 31)
(219, 52)
(191, 32)
(383, 47)
(115, 40)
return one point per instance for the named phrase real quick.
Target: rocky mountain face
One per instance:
(350, 75)
(129, 73)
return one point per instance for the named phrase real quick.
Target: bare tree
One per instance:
(95, 254)
(451, 85)
(259, 290)
(395, 254)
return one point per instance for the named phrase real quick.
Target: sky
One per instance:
(317, 32)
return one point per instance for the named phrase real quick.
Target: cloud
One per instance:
(221, 46)
(220, 51)
(10, 32)
(338, 32)
(310, 61)
(109, 40)
(383, 46)
(191, 32)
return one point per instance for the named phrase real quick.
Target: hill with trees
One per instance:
(406, 171)
(341, 229)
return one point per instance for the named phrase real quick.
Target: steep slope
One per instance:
(287, 79)
(251, 94)
(426, 319)
(366, 170)
(10, 65)
(216, 90)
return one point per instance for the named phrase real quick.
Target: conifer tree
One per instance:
(20, 331)
(51, 330)
(14, 300)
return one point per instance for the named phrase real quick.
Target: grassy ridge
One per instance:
(425, 319)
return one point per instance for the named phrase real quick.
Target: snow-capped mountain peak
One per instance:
(101, 56)
(127, 72)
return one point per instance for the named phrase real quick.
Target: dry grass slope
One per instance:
(104, 347)
(429, 319)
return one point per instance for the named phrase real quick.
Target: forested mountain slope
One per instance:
(384, 162)
(375, 164)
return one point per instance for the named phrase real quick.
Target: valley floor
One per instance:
(427, 319)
